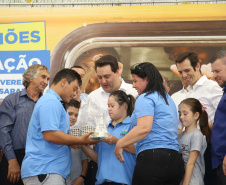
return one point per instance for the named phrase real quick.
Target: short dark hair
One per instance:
(73, 103)
(155, 81)
(77, 66)
(107, 60)
(69, 74)
(219, 55)
(191, 56)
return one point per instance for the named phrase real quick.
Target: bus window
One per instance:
(133, 43)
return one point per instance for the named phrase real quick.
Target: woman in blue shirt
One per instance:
(155, 131)
(110, 170)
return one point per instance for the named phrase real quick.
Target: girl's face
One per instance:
(114, 109)
(139, 84)
(73, 115)
(187, 117)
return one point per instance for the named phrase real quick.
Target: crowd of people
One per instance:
(153, 138)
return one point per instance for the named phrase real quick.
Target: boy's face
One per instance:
(73, 115)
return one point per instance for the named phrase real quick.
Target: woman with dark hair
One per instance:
(155, 131)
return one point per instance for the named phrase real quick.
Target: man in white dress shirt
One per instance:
(208, 92)
(196, 85)
(108, 74)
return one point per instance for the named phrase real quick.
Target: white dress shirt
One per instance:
(208, 92)
(97, 103)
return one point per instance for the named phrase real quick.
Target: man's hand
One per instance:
(87, 141)
(13, 171)
(97, 57)
(224, 165)
(120, 66)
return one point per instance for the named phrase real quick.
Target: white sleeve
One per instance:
(216, 94)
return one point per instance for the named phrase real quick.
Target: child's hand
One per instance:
(78, 181)
(110, 140)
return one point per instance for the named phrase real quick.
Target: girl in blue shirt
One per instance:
(110, 170)
(155, 131)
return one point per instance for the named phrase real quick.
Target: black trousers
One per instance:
(4, 168)
(91, 173)
(210, 177)
(112, 183)
(158, 167)
(221, 178)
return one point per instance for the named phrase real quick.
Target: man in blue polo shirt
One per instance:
(48, 158)
(218, 137)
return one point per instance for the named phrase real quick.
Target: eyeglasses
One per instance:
(136, 66)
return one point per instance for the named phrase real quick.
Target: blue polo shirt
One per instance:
(218, 134)
(109, 167)
(164, 128)
(43, 157)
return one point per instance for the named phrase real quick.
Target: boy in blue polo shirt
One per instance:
(48, 158)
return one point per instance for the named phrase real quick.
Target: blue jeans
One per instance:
(158, 167)
(51, 179)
